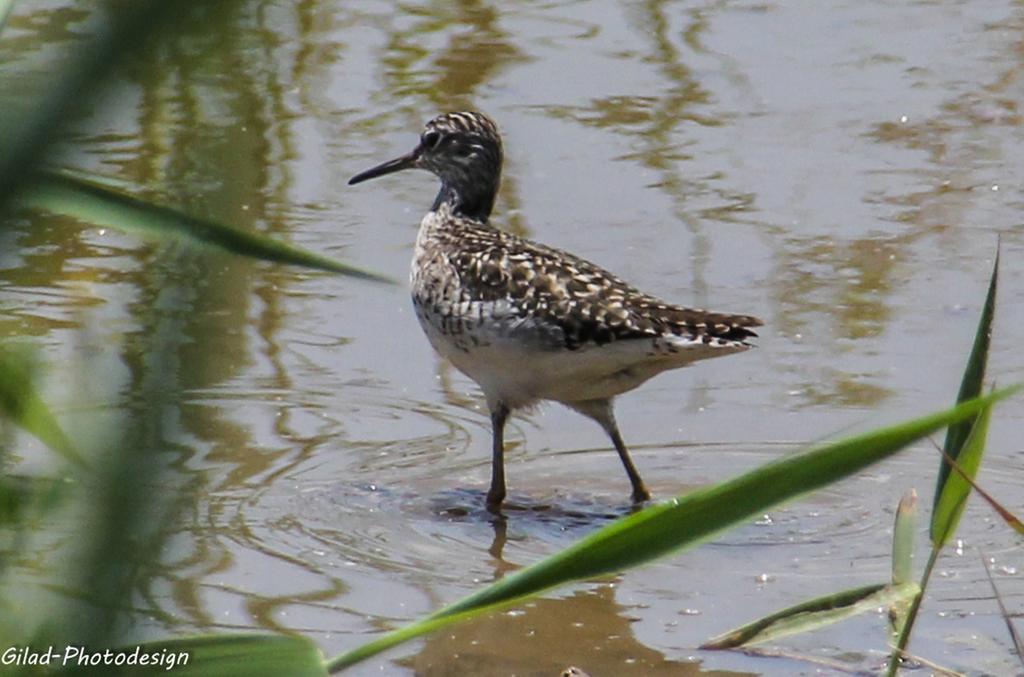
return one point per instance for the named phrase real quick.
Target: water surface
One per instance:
(842, 170)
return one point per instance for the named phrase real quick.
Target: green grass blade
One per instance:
(684, 521)
(20, 402)
(956, 489)
(219, 656)
(903, 532)
(970, 387)
(910, 617)
(903, 539)
(1011, 520)
(96, 203)
(965, 444)
(814, 614)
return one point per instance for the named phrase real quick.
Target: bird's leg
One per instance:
(640, 492)
(602, 412)
(496, 494)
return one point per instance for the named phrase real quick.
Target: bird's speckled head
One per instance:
(464, 151)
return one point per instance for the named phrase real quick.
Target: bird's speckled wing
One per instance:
(587, 302)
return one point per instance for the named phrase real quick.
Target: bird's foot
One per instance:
(640, 494)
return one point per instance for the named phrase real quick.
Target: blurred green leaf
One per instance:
(903, 538)
(970, 387)
(965, 443)
(20, 403)
(14, 497)
(814, 614)
(903, 532)
(956, 489)
(110, 35)
(20, 494)
(219, 656)
(24, 501)
(95, 203)
(1011, 520)
(5, 11)
(683, 521)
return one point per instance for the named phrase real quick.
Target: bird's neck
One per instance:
(471, 203)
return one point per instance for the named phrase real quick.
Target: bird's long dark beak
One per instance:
(407, 161)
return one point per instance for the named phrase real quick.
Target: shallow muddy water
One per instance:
(842, 170)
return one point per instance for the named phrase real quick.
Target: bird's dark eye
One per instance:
(431, 139)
